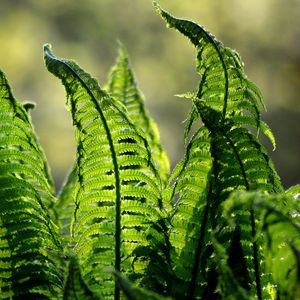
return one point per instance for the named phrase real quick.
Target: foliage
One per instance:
(220, 226)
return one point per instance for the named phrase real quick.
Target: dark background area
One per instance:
(265, 33)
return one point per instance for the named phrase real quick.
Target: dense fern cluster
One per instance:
(220, 226)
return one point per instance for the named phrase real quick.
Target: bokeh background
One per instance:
(265, 33)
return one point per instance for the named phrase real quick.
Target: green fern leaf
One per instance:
(228, 103)
(240, 163)
(19, 134)
(30, 248)
(117, 195)
(241, 160)
(224, 85)
(122, 86)
(190, 185)
(278, 221)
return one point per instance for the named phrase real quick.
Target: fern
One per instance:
(30, 248)
(279, 222)
(118, 192)
(227, 103)
(219, 227)
(191, 184)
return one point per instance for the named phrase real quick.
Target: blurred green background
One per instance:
(265, 33)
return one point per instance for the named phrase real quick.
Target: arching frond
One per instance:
(30, 248)
(224, 86)
(123, 86)
(228, 103)
(117, 196)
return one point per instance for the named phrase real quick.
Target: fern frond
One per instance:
(228, 103)
(240, 163)
(123, 86)
(117, 195)
(278, 221)
(190, 185)
(224, 86)
(30, 248)
(18, 134)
